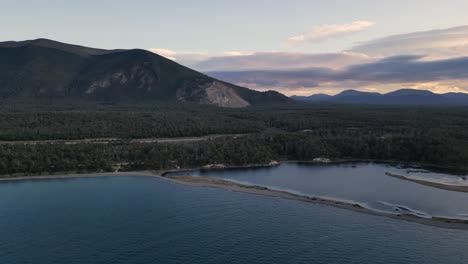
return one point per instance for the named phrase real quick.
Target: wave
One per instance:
(395, 209)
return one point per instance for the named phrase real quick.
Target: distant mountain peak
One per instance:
(408, 91)
(352, 92)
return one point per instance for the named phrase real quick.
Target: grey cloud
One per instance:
(436, 44)
(408, 69)
(398, 69)
(280, 60)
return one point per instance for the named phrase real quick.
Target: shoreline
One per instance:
(214, 167)
(429, 167)
(149, 172)
(73, 175)
(438, 185)
(208, 182)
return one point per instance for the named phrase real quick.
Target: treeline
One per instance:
(191, 121)
(425, 148)
(82, 125)
(50, 158)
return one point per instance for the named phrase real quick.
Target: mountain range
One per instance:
(47, 69)
(399, 97)
(43, 68)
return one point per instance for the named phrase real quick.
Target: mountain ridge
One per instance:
(83, 50)
(404, 96)
(45, 68)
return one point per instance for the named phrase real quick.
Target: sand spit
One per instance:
(439, 185)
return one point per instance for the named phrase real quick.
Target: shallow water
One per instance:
(146, 220)
(363, 183)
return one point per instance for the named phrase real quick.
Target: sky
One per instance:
(297, 47)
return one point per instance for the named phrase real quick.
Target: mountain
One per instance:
(83, 51)
(312, 98)
(354, 93)
(412, 96)
(460, 98)
(399, 97)
(355, 97)
(47, 69)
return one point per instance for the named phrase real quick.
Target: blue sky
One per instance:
(197, 32)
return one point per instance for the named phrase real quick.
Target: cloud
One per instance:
(232, 61)
(185, 57)
(434, 44)
(281, 60)
(436, 60)
(165, 53)
(192, 58)
(408, 69)
(323, 32)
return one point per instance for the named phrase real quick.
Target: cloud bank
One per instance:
(434, 44)
(281, 60)
(436, 60)
(409, 70)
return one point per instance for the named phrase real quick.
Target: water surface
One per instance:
(145, 220)
(364, 183)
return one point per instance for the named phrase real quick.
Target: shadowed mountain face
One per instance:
(53, 70)
(399, 97)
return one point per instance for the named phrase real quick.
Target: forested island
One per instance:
(35, 142)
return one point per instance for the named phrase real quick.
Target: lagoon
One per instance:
(364, 183)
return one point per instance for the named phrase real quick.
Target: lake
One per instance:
(147, 220)
(363, 183)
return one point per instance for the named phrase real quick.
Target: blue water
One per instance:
(146, 220)
(364, 183)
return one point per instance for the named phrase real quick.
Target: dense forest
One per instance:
(431, 136)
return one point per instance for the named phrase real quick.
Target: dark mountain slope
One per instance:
(44, 69)
(31, 71)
